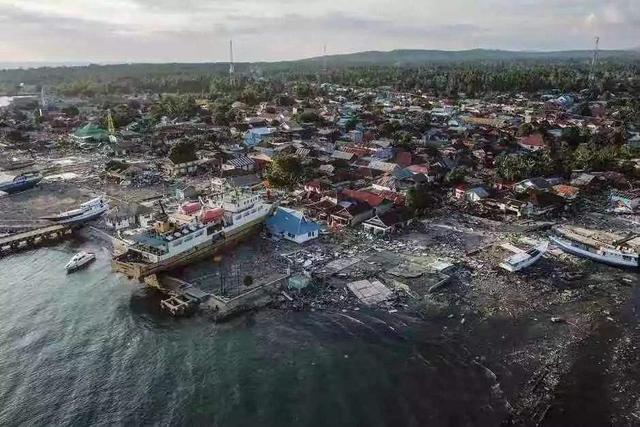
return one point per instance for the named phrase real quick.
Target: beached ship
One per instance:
(524, 259)
(602, 246)
(87, 211)
(21, 182)
(169, 243)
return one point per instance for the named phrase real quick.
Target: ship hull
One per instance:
(81, 219)
(11, 188)
(566, 246)
(139, 271)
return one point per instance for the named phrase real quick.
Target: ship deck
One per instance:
(598, 238)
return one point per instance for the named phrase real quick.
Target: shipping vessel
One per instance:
(21, 182)
(87, 211)
(170, 243)
(600, 246)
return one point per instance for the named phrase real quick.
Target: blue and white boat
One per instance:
(87, 211)
(21, 182)
(597, 245)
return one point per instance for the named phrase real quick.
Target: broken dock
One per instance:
(183, 297)
(33, 238)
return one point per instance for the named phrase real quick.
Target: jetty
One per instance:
(33, 238)
(183, 297)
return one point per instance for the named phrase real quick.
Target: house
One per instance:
(567, 192)
(624, 201)
(541, 203)
(144, 214)
(255, 136)
(433, 173)
(475, 194)
(387, 223)
(533, 142)
(403, 159)
(186, 192)
(250, 181)
(187, 168)
(316, 186)
(327, 169)
(322, 209)
(583, 180)
(126, 216)
(292, 225)
(535, 184)
(385, 167)
(378, 203)
(350, 215)
(342, 155)
(389, 182)
(241, 163)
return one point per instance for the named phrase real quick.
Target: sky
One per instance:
(268, 30)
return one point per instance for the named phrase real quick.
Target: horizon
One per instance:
(198, 31)
(74, 63)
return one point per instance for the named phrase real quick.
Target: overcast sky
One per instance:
(199, 30)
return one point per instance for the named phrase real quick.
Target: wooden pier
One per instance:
(33, 238)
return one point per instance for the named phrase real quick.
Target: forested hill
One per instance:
(418, 56)
(469, 71)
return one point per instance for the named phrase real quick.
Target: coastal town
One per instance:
(460, 208)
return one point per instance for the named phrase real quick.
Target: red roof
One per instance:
(371, 199)
(211, 215)
(533, 140)
(357, 151)
(392, 196)
(403, 159)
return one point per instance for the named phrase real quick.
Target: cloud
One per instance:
(199, 30)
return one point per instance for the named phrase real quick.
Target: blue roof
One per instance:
(254, 136)
(290, 221)
(261, 131)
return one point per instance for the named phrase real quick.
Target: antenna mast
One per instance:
(594, 61)
(324, 58)
(232, 79)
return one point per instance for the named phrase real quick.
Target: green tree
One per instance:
(285, 171)
(183, 151)
(525, 129)
(456, 176)
(573, 136)
(71, 111)
(418, 199)
(403, 139)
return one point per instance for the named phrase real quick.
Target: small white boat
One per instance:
(519, 261)
(79, 260)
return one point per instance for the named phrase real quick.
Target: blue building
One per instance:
(255, 136)
(292, 225)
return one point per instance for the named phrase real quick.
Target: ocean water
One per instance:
(94, 348)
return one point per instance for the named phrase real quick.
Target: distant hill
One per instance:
(410, 57)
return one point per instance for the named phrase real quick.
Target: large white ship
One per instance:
(170, 243)
(601, 246)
